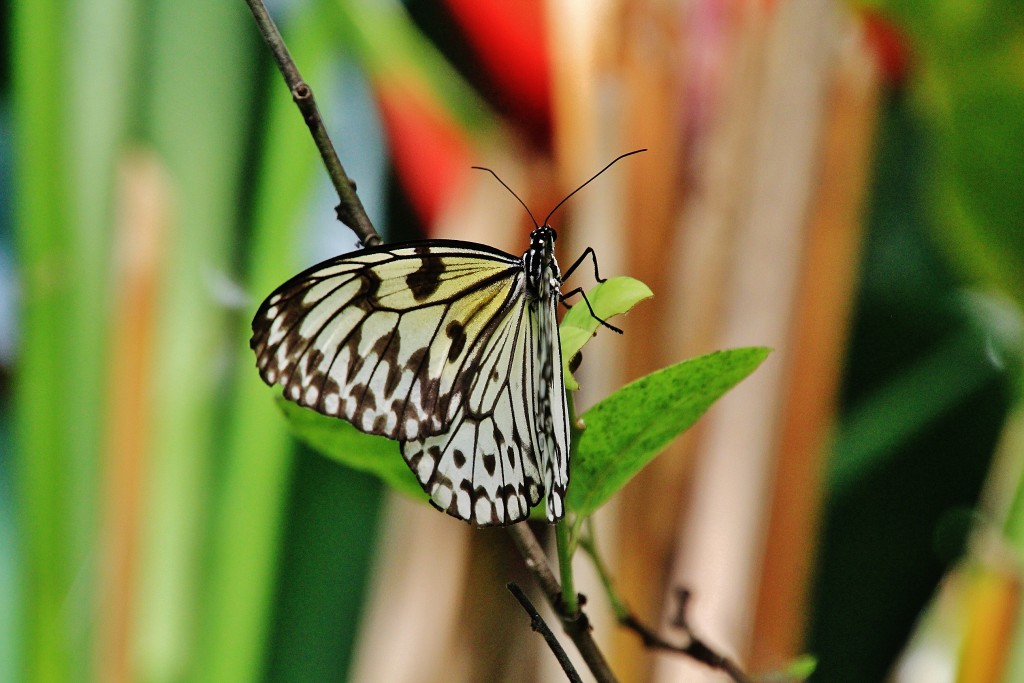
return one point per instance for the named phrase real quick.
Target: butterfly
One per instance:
(449, 347)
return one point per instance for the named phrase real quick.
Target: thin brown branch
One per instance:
(535, 560)
(350, 210)
(693, 647)
(538, 624)
(577, 626)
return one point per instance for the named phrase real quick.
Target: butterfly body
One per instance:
(449, 347)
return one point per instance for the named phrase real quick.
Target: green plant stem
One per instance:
(570, 601)
(44, 485)
(589, 547)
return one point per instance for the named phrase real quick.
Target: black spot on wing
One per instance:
(457, 334)
(426, 279)
(369, 285)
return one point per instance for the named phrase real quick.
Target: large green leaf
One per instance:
(610, 298)
(629, 428)
(341, 441)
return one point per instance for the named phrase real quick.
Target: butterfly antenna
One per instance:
(610, 164)
(482, 168)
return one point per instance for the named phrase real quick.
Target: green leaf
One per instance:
(802, 667)
(339, 440)
(613, 297)
(626, 430)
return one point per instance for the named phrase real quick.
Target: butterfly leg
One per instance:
(579, 290)
(588, 251)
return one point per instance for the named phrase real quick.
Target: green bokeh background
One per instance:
(258, 566)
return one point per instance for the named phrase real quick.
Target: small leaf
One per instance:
(615, 296)
(339, 440)
(802, 667)
(629, 428)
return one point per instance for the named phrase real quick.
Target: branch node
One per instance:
(682, 604)
(693, 647)
(538, 625)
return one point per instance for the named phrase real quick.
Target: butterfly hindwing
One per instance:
(552, 412)
(485, 468)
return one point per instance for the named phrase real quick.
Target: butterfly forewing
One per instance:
(384, 338)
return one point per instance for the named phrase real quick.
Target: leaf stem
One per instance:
(590, 548)
(563, 543)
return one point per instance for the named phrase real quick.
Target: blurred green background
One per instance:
(156, 182)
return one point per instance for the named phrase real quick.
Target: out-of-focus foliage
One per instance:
(346, 444)
(932, 366)
(244, 561)
(967, 94)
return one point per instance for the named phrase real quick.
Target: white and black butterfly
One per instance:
(450, 347)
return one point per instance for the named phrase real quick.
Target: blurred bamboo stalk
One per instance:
(781, 249)
(247, 518)
(196, 98)
(971, 630)
(993, 595)
(417, 582)
(51, 647)
(141, 225)
(819, 329)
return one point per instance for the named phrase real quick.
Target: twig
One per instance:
(350, 210)
(535, 560)
(694, 647)
(577, 626)
(538, 624)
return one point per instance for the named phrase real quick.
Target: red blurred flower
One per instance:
(431, 154)
(511, 40)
